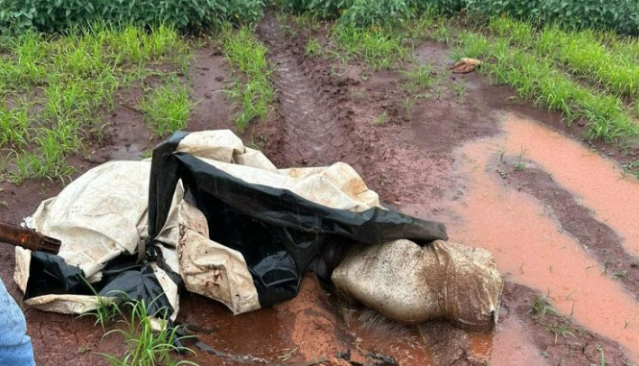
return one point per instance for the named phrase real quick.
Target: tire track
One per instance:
(314, 128)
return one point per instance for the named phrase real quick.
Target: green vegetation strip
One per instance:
(184, 15)
(377, 47)
(251, 90)
(56, 89)
(540, 81)
(167, 108)
(581, 52)
(148, 338)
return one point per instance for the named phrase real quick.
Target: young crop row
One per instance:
(252, 90)
(537, 79)
(619, 15)
(581, 52)
(194, 15)
(56, 90)
(185, 15)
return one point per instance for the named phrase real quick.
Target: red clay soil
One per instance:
(324, 114)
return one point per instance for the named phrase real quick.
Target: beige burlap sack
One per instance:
(406, 282)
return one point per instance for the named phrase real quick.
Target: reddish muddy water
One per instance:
(529, 244)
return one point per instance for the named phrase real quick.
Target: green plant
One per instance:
(381, 119)
(582, 53)
(313, 48)
(620, 274)
(421, 76)
(407, 105)
(64, 15)
(72, 81)
(167, 109)
(360, 13)
(460, 90)
(364, 13)
(106, 308)
(378, 47)
(619, 15)
(541, 306)
(563, 329)
(632, 168)
(146, 344)
(15, 125)
(442, 34)
(539, 80)
(247, 55)
(603, 358)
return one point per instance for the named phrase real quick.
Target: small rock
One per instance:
(219, 79)
(208, 95)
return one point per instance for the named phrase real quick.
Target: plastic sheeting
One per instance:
(208, 215)
(278, 232)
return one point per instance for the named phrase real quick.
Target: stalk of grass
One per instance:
(15, 124)
(581, 52)
(421, 76)
(146, 345)
(379, 47)
(313, 48)
(538, 79)
(78, 74)
(247, 55)
(460, 90)
(381, 119)
(167, 109)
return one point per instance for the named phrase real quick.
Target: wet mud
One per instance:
(531, 247)
(561, 227)
(307, 108)
(596, 236)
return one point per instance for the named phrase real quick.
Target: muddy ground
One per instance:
(555, 211)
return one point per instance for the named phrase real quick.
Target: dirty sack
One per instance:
(216, 218)
(466, 65)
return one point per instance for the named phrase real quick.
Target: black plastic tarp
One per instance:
(278, 232)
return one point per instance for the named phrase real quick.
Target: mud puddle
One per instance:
(529, 244)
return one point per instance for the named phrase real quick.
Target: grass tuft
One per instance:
(423, 76)
(537, 79)
(67, 83)
(379, 47)
(252, 91)
(313, 48)
(149, 342)
(167, 109)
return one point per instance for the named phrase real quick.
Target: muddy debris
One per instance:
(465, 65)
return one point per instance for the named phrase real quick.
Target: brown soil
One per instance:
(438, 160)
(579, 221)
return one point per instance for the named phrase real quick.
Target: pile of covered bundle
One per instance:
(208, 215)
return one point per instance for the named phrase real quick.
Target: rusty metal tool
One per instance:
(28, 239)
